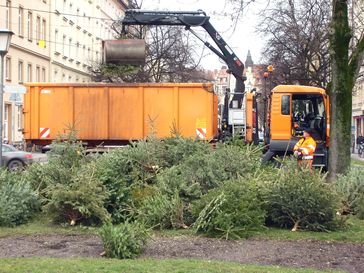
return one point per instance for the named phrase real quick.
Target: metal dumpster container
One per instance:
(113, 114)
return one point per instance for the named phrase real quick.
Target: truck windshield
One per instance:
(308, 111)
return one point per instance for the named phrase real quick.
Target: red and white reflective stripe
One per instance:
(307, 157)
(201, 133)
(311, 147)
(45, 132)
(304, 150)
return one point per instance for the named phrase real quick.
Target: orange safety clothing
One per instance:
(307, 147)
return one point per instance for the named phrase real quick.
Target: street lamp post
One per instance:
(5, 38)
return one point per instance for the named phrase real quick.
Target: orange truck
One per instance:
(291, 109)
(109, 114)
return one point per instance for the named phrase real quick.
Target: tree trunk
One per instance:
(296, 225)
(340, 92)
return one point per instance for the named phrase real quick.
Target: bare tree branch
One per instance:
(298, 43)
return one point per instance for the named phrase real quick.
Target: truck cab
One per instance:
(291, 110)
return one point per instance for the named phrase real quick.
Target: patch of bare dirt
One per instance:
(300, 254)
(58, 246)
(305, 254)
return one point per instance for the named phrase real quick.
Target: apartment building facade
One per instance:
(26, 61)
(358, 106)
(53, 41)
(78, 28)
(357, 16)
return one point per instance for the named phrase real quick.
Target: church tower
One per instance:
(249, 61)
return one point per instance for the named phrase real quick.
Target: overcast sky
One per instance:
(240, 40)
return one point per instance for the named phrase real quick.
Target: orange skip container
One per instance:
(104, 113)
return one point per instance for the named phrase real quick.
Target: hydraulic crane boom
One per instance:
(196, 19)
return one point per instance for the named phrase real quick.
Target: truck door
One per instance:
(280, 122)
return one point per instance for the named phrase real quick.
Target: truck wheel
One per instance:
(268, 157)
(15, 165)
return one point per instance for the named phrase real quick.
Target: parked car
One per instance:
(14, 159)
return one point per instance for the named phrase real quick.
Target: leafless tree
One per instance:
(172, 56)
(304, 35)
(298, 41)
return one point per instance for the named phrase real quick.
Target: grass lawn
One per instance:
(48, 265)
(357, 162)
(42, 225)
(354, 233)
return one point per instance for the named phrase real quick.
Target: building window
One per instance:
(64, 45)
(20, 72)
(6, 119)
(8, 15)
(78, 17)
(92, 51)
(84, 53)
(6, 112)
(70, 48)
(77, 51)
(8, 68)
(58, 6)
(84, 23)
(20, 116)
(29, 73)
(37, 73)
(21, 21)
(55, 75)
(56, 41)
(37, 29)
(44, 78)
(86, 38)
(30, 26)
(43, 30)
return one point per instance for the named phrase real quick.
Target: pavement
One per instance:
(39, 157)
(356, 156)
